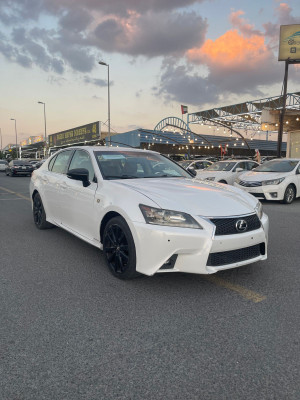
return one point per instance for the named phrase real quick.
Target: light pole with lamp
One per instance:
(107, 65)
(41, 102)
(13, 119)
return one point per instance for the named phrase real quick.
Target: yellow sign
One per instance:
(289, 43)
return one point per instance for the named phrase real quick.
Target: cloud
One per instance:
(136, 35)
(242, 25)
(241, 61)
(181, 84)
(97, 82)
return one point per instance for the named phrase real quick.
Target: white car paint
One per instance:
(197, 165)
(3, 165)
(81, 210)
(226, 176)
(252, 181)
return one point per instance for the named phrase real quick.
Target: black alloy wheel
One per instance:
(119, 249)
(289, 195)
(39, 215)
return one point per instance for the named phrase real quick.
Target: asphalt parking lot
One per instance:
(70, 330)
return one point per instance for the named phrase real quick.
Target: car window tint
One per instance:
(240, 165)
(251, 165)
(61, 162)
(50, 165)
(81, 159)
(198, 165)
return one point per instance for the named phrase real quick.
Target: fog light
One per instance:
(274, 195)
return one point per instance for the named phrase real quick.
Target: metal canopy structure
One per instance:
(245, 115)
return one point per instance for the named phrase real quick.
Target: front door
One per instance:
(79, 215)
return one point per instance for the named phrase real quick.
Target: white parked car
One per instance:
(146, 218)
(274, 180)
(226, 171)
(197, 165)
(3, 165)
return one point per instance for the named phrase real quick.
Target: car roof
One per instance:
(108, 149)
(237, 160)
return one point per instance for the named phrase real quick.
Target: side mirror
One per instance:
(192, 171)
(79, 174)
(239, 170)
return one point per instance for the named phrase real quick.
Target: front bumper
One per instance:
(155, 245)
(266, 192)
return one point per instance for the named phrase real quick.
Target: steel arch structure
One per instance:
(174, 122)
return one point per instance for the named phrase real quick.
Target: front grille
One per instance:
(249, 184)
(227, 226)
(234, 256)
(259, 195)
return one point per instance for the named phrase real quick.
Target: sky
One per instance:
(161, 54)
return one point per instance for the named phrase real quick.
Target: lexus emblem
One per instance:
(241, 225)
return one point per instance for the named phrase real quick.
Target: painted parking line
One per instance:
(15, 193)
(246, 293)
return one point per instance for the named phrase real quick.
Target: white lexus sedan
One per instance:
(274, 180)
(146, 218)
(226, 171)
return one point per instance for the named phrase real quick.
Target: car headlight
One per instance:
(259, 210)
(237, 180)
(211, 178)
(272, 182)
(158, 216)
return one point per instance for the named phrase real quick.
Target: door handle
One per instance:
(63, 185)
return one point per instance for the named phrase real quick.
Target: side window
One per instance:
(240, 165)
(251, 165)
(298, 169)
(61, 162)
(81, 159)
(198, 165)
(50, 165)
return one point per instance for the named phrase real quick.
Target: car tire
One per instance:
(222, 181)
(289, 195)
(39, 215)
(119, 249)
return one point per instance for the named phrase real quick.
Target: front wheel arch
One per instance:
(107, 217)
(223, 181)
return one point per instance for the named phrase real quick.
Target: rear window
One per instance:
(3, 162)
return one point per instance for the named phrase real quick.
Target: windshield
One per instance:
(221, 166)
(136, 164)
(185, 164)
(277, 166)
(21, 162)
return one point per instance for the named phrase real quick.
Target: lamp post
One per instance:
(108, 93)
(13, 119)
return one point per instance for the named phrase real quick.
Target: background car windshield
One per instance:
(185, 164)
(277, 166)
(221, 166)
(21, 162)
(134, 164)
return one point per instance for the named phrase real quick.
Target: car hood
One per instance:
(253, 176)
(193, 196)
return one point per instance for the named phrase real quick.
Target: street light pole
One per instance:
(108, 95)
(13, 119)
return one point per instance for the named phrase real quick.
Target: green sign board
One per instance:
(76, 135)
